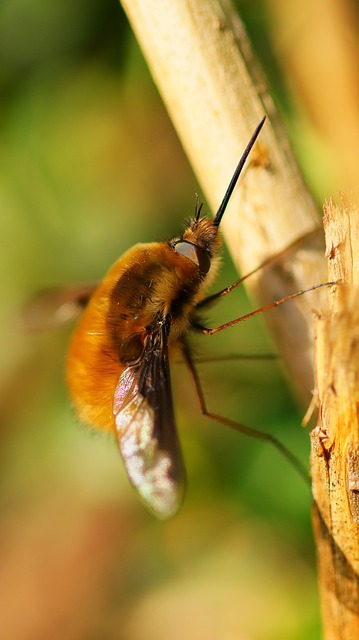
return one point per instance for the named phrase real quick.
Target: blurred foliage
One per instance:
(90, 165)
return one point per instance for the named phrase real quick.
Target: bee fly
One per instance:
(134, 322)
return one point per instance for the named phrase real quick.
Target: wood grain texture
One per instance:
(335, 442)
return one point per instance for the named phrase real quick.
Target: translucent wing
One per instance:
(51, 308)
(146, 430)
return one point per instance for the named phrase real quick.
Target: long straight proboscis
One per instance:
(233, 182)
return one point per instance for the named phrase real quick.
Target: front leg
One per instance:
(210, 332)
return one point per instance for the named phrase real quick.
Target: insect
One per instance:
(134, 322)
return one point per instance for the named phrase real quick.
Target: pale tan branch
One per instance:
(202, 63)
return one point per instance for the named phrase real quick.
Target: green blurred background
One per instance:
(90, 165)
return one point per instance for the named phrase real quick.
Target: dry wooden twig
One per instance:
(215, 94)
(335, 442)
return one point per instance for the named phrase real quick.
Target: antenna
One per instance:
(233, 182)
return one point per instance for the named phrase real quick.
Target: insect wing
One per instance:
(146, 430)
(51, 308)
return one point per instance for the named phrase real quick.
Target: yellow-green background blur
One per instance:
(90, 165)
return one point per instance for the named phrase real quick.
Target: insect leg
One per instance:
(271, 305)
(268, 261)
(238, 426)
(236, 357)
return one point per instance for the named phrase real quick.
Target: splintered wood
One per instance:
(335, 441)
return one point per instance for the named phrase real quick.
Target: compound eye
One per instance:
(196, 254)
